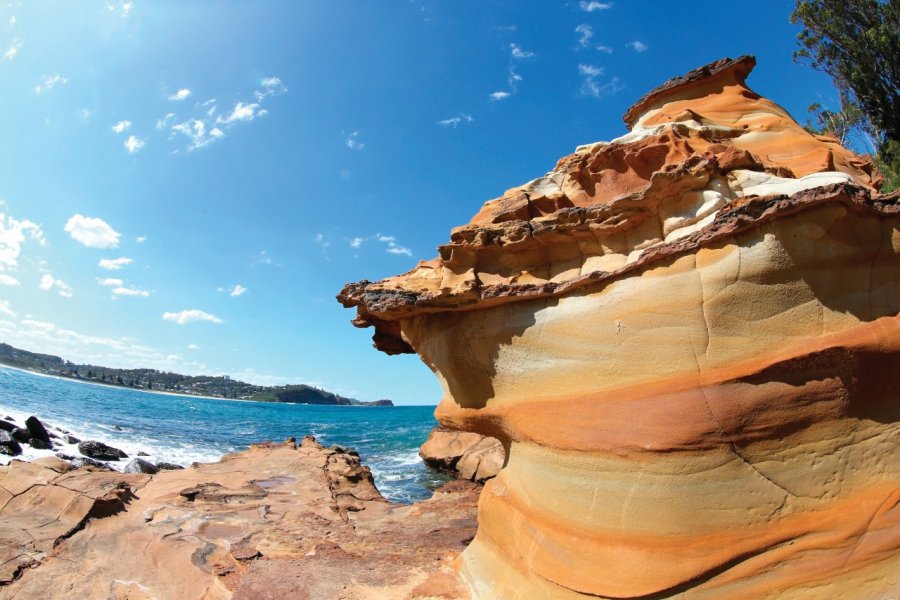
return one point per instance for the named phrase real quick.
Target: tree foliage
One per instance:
(857, 43)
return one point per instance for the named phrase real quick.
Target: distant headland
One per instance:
(221, 386)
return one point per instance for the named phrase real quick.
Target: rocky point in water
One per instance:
(688, 341)
(277, 521)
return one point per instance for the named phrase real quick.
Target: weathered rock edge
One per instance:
(277, 521)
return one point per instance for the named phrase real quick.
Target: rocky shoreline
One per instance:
(276, 521)
(34, 439)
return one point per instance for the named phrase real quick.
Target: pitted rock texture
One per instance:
(275, 522)
(688, 340)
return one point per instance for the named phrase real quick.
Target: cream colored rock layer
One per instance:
(720, 421)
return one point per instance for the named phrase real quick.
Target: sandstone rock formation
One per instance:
(688, 340)
(463, 454)
(275, 522)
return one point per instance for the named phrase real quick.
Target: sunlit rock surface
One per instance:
(274, 522)
(688, 341)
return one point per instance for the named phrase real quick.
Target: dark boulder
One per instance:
(39, 444)
(9, 445)
(139, 465)
(83, 461)
(142, 453)
(37, 430)
(6, 425)
(167, 466)
(100, 451)
(20, 435)
(71, 439)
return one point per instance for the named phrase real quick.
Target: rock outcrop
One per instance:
(688, 340)
(276, 521)
(463, 454)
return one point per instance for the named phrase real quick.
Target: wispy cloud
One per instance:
(585, 33)
(121, 126)
(122, 8)
(208, 125)
(13, 235)
(124, 291)
(516, 55)
(114, 264)
(243, 112)
(353, 141)
(6, 309)
(180, 95)
(591, 85)
(141, 239)
(133, 144)
(594, 5)
(49, 82)
(237, 290)
(455, 121)
(41, 325)
(189, 316)
(92, 232)
(638, 46)
(48, 282)
(391, 246)
(110, 282)
(13, 50)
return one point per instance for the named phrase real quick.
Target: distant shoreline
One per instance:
(121, 387)
(162, 393)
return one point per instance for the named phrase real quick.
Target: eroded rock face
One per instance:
(688, 338)
(463, 454)
(276, 521)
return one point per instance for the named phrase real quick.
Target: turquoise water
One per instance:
(186, 429)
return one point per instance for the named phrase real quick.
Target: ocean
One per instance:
(185, 429)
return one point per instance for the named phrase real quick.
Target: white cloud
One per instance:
(270, 87)
(42, 325)
(48, 282)
(500, 95)
(6, 309)
(12, 20)
(121, 126)
(195, 130)
(237, 290)
(164, 121)
(516, 51)
(13, 50)
(85, 115)
(188, 316)
(455, 121)
(392, 247)
(602, 48)
(585, 33)
(141, 239)
(13, 235)
(353, 141)
(49, 82)
(242, 112)
(180, 95)
(638, 46)
(594, 5)
(110, 282)
(321, 241)
(124, 291)
(114, 264)
(92, 232)
(133, 144)
(590, 86)
(193, 347)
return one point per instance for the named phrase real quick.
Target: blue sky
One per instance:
(186, 186)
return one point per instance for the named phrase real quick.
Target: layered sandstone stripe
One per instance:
(688, 340)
